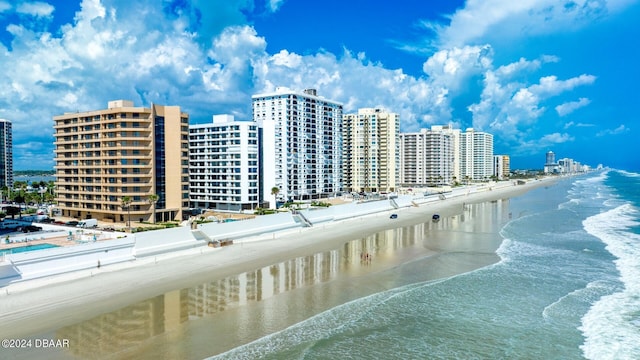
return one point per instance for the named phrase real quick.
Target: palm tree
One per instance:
(19, 199)
(126, 203)
(153, 199)
(275, 191)
(50, 196)
(5, 193)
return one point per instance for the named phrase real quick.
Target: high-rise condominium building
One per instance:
(476, 155)
(428, 157)
(301, 144)
(223, 164)
(6, 154)
(371, 150)
(550, 165)
(551, 158)
(501, 166)
(105, 156)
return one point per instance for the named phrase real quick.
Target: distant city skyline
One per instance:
(538, 75)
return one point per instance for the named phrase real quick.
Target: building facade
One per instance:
(501, 166)
(105, 156)
(550, 164)
(371, 150)
(428, 157)
(476, 155)
(223, 164)
(301, 136)
(6, 154)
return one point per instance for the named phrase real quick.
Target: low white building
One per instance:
(224, 164)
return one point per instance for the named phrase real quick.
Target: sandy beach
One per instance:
(42, 305)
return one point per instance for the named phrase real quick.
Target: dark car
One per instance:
(48, 220)
(31, 228)
(393, 216)
(71, 223)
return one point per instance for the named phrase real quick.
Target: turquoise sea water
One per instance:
(567, 287)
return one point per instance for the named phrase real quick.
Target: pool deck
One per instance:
(40, 237)
(58, 240)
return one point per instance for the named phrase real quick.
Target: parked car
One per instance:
(31, 228)
(71, 223)
(48, 220)
(393, 216)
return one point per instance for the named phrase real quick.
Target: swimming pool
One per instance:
(20, 249)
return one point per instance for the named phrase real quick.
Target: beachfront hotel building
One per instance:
(428, 157)
(476, 155)
(301, 136)
(223, 164)
(103, 156)
(371, 150)
(501, 166)
(6, 154)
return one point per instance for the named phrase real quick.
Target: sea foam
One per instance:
(611, 326)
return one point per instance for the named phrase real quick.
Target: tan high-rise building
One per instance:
(371, 150)
(501, 167)
(103, 156)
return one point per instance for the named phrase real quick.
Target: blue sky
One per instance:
(540, 75)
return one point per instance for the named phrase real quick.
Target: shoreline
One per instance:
(41, 304)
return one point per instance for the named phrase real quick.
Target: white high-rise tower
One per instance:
(301, 145)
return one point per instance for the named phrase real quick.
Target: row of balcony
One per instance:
(62, 184)
(144, 139)
(67, 176)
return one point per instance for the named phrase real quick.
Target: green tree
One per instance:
(153, 199)
(5, 193)
(19, 199)
(50, 196)
(126, 204)
(12, 211)
(275, 191)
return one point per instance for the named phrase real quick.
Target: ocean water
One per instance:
(566, 286)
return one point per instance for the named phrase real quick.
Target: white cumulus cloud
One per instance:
(4, 6)
(509, 108)
(202, 55)
(484, 20)
(569, 107)
(274, 5)
(619, 130)
(36, 8)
